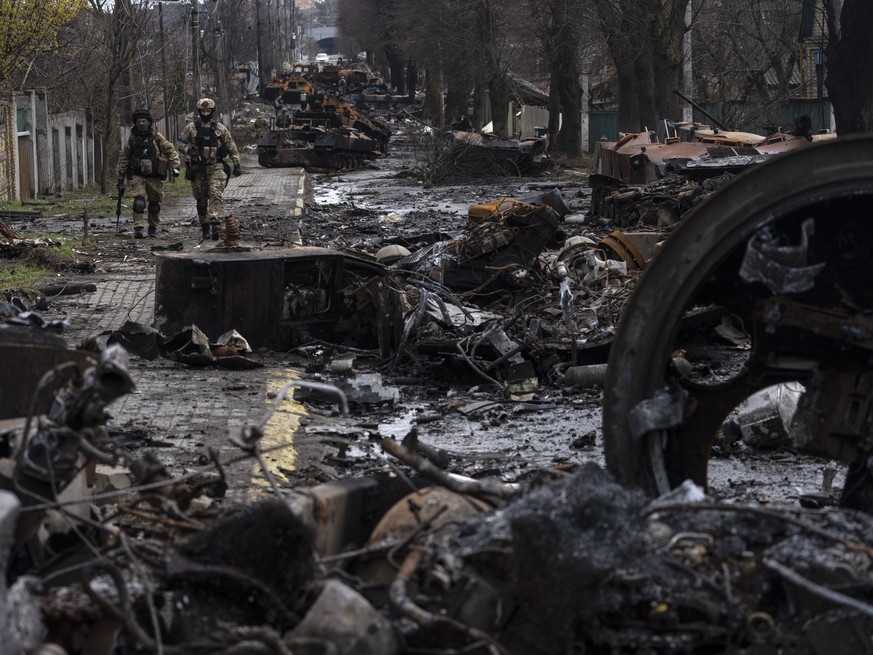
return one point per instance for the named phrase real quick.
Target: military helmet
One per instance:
(141, 113)
(205, 103)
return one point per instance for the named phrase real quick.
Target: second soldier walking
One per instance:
(211, 157)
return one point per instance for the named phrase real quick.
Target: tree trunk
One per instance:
(457, 100)
(565, 93)
(554, 106)
(107, 132)
(648, 58)
(433, 110)
(479, 101)
(411, 79)
(569, 138)
(496, 79)
(849, 62)
(498, 92)
(396, 68)
(667, 27)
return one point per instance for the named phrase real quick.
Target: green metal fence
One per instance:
(764, 117)
(602, 124)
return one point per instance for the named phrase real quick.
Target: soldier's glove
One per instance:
(120, 185)
(237, 171)
(174, 173)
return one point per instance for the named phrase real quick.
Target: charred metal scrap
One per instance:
(512, 299)
(371, 565)
(658, 204)
(694, 149)
(491, 155)
(461, 155)
(30, 346)
(190, 346)
(640, 181)
(497, 250)
(277, 298)
(400, 564)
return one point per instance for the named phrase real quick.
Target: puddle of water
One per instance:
(399, 426)
(327, 195)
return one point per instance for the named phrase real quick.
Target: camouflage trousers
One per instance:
(152, 190)
(210, 190)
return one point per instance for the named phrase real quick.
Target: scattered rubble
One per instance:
(417, 549)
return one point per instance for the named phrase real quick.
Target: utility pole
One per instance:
(170, 134)
(293, 30)
(221, 64)
(271, 59)
(261, 72)
(281, 12)
(687, 84)
(195, 52)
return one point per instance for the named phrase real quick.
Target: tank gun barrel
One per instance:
(715, 121)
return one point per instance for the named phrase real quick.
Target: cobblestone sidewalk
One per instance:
(191, 409)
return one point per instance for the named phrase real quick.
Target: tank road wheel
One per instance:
(786, 251)
(265, 159)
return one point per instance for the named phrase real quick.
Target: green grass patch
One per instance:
(23, 267)
(20, 276)
(65, 242)
(73, 203)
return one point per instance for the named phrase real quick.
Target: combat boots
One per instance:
(153, 231)
(205, 228)
(137, 233)
(216, 232)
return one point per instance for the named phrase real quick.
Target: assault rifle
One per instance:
(120, 187)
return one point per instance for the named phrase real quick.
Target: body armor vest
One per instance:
(144, 155)
(206, 140)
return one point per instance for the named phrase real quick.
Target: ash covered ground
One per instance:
(523, 544)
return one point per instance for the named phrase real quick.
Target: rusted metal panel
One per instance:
(27, 355)
(275, 299)
(637, 159)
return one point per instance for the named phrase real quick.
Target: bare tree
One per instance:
(737, 46)
(372, 25)
(558, 26)
(118, 25)
(464, 48)
(645, 41)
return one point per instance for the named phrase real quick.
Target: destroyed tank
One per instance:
(323, 139)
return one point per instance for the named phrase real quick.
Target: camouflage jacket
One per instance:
(211, 141)
(149, 155)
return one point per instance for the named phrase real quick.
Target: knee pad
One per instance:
(201, 206)
(154, 207)
(139, 204)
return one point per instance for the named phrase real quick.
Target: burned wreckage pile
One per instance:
(428, 563)
(318, 126)
(415, 558)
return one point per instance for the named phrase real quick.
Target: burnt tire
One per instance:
(699, 264)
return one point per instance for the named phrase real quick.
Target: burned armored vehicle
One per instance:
(322, 137)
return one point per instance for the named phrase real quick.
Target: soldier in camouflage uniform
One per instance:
(146, 160)
(210, 152)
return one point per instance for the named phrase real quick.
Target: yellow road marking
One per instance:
(277, 444)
